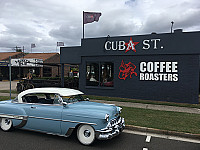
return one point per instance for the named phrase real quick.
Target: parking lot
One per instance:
(5, 85)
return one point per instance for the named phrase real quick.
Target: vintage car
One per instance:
(60, 111)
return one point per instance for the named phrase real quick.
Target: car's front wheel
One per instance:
(86, 134)
(6, 124)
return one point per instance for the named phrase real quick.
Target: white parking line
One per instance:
(148, 138)
(163, 136)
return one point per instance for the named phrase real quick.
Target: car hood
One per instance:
(99, 109)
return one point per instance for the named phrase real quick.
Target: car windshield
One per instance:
(72, 99)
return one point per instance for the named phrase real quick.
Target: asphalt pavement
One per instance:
(29, 140)
(5, 85)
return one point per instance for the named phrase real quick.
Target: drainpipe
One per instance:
(10, 74)
(62, 75)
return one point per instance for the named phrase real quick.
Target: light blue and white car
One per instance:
(61, 111)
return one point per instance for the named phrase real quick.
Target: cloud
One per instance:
(69, 33)
(20, 30)
(183, 14)
(45, 22)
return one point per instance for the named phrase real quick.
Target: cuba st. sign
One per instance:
(130, 45)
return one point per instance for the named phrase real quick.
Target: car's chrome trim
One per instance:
(45, 104)
(18, 117)
(11, 116)
(62, 120)
(45, 118)
(39, 104)
(79, 122)
(23, 123)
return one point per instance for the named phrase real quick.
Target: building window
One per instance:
(107, 74)
(100, 74)
(92, 74)
(47, 71)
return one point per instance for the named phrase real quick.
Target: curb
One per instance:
(164, 132)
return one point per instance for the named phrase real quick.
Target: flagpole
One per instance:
(83, 25)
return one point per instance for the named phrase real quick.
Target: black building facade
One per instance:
(162, 67)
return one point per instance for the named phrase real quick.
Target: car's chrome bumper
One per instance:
(114, 128)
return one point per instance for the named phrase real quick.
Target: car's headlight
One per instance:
(107, 117)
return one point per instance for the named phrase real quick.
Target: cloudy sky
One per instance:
(46, 22)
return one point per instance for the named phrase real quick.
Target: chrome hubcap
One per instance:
(7, 122)
(87, 133)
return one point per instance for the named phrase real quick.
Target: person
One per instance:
(29, 76)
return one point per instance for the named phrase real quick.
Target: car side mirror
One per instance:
(87, 99)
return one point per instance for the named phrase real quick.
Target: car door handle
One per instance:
(33, 107)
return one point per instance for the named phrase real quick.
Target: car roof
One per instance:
(50, 90)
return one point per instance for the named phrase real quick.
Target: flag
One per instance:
(89, 17)
(33, 45)
(60, 43)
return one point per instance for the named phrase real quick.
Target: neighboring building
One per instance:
(4, 59)
(51, 61)
(162, 67)
(50, 66)
(4, 56)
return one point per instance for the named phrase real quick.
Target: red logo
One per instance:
(126, 70)
(131, 45)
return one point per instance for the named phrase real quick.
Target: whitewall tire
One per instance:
(86, 134)
(6, 124)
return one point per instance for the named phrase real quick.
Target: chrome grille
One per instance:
(113, 122)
